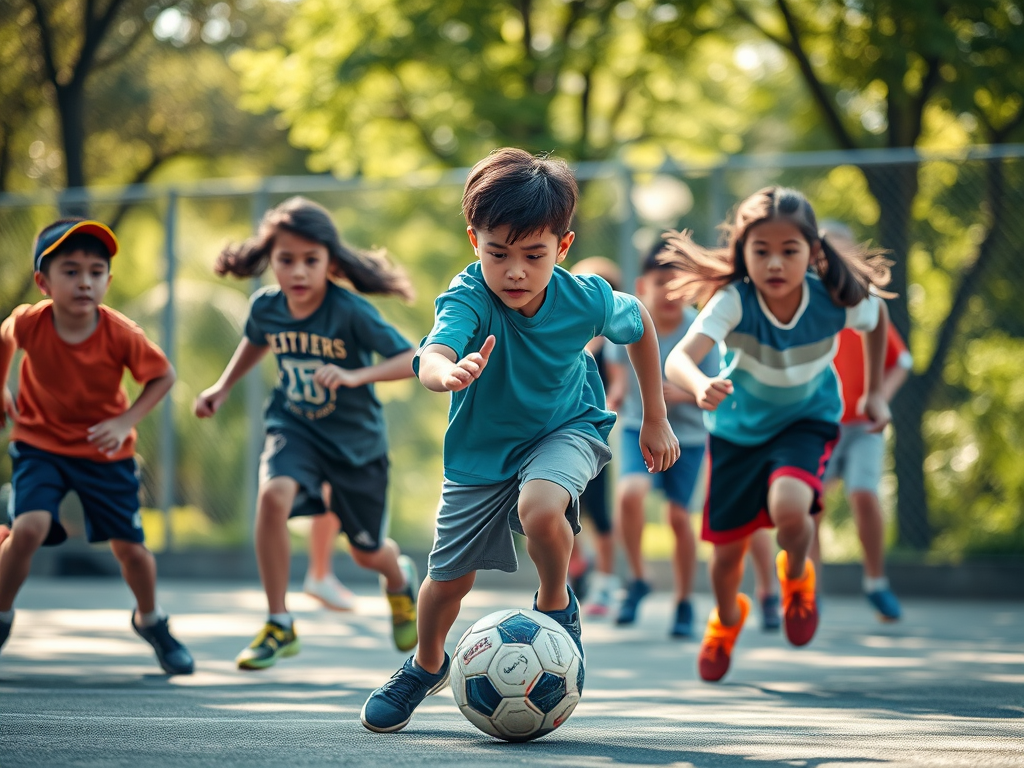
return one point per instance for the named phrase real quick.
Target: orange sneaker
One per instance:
(716, 649)
(799, 604)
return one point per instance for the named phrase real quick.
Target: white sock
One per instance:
(283, 619)
(151, 618)
(6, 617)
(875, 584)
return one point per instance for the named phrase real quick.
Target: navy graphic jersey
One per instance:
(345, 331)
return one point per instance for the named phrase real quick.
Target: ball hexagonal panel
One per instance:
(547, 692)
(518, 629)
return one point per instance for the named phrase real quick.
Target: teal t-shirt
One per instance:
(538, 380)
(346, 330)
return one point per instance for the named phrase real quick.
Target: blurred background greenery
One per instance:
(668, 109)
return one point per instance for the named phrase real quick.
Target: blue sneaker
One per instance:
(683, 625)
(885, 602)
(771, 616)
(568, 617)
(174, 657)
(390, 707)
(635, 592)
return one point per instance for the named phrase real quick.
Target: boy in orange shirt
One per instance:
(74, 428)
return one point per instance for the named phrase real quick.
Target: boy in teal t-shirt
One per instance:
(528, 426)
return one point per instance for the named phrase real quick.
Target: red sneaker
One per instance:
(716, 649)
(799, 604)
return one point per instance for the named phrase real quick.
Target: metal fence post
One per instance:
(168, 465)
(254, 396)
(627, 228)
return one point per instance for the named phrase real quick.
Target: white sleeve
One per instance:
(863, 316)
(720, 315)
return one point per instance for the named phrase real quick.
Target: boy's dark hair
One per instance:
(654, 261)
(78, 241)
(368, 271)
(510, 187)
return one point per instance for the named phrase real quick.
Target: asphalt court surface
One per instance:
(944, 687)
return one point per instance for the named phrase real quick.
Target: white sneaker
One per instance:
(603, 587)
(329, 591)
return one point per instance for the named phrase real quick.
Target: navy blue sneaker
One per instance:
(5, 631)
(885, 602)
(174, 657)
(635, 592)
(683, 625)
(568, 617)
(771, 615)
(390, 707)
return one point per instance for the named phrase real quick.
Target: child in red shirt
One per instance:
(74, 429)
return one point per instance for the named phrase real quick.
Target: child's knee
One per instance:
(275, 498)
(632, 490)
(131, 554)
(679, 519)
(29, 531)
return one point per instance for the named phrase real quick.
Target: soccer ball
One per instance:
(517, 675)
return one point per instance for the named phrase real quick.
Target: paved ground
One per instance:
(944, 688)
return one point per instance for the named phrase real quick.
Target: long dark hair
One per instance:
(849, 273)
(368, 271)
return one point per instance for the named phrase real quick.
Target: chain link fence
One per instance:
(954, 484)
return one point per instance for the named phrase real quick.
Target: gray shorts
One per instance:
(475, 522)
(857, 458)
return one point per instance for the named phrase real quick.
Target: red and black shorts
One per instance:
(737, 500)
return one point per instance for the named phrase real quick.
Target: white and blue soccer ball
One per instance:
(517, 675)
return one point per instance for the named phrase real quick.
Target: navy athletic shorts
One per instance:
(109, 491)
(737, 502)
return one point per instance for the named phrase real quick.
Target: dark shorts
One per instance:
(109, 491)
(677, 482)
(594, 502)
(737, 502)
(358, 493)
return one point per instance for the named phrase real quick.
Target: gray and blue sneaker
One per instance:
(885, 602)
(568, 618)
(683, 625)
(174, 657)
(637, 590)
(390, 707)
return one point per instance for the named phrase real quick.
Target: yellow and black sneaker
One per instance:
(403, 606)
(273, 642)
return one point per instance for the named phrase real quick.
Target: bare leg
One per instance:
(27, 534)
(684, 556)
(629, 519)
(726, 569)
(439, 604)
(542, 506)
(604, 543)
(385, 562)
(321, 544)
(867, 513)
(273, 550)
(138, 567)
(763, 558)
(789, 505)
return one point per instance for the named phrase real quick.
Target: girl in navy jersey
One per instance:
(777, 295)
(324, 424)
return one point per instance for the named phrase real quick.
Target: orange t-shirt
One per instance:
(852, 371)
(66, 388)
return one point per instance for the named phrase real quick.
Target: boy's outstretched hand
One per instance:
(469, 368)
(877, 410)
(108, 436)
(209, 401)
(658, 444)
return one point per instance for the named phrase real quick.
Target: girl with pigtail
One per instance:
(324, 424)
(776, 296)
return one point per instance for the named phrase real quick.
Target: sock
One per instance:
(283, 619)
(875, 584)
(151, 618)
(6, 617)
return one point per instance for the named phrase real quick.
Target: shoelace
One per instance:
(269, 635)
(403, 684)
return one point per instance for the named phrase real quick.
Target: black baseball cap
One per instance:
(52, 236)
